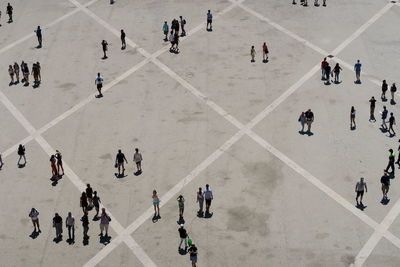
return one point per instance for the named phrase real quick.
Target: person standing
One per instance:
(0, 18)
(384, 90)
(156, 204)
(38, 71)
(183, 23)
(181, 205)
(119, 162)
(193, 254)
(360, 185)
(390, 165)
(70, 225)
(54, 172)
(104, 222)
(35, 74)
(265, 52)
(39, 36)
(309, 119)
(324, 3)
(385, 181)
(123, 35)
(21, 154)
(16, 71)
(183, 235)
(393, 90)
(10, 13)
(328, 73)
(89, 195)
(59, 163)
(209, 20)
(57, 223)
(1, 162)
(384, 116)
(11, 73)
(200, 200)
(96, 203)
(372, 102)
(99, 83)
(392, 122)
(137, 158)
(34, 215)
(352, 118)
(25, 73)
(165, 30)
(208, 196)
(83, 202)
(104, 45)
(336, 72)
(357, 69)
(324, 63)
(252, 53)
(302, 120)
(85, 225)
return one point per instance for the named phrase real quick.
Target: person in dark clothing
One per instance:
(385, 181)
(183, 235)
(119, 162)
(193, 254)
(85, 225)
(384, 90)
(336, 72)
(104, 45)
(9, 13)
(393, 90)
(392, 122)
(123, 35)
(372, 109)
(57, 223)
(309, 119)
(327, 73)
(21, 154)
(390, 165)
(39, 36)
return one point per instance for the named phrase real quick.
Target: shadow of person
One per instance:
(361, 206)
(392, 102)
(21, 165)
(301, 132)
(310, 133)
(119, 176)
(155, 218)
(200, 214)
(208, 215)
(85, 241)
(182, 251)
(137, 173)
(385, 201)
(57, 239)
(70, 241)
(180, 221)
(34, 235)
(105, 240)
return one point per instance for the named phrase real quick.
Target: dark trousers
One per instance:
(390, 165)
(71, 228)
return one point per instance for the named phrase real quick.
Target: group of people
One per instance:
(56, 165)
(9, 11)
(393, 90)
(265, 52)
(174, 35)
(14, 71)
(120, 161)
(305, 2)
(328, 72)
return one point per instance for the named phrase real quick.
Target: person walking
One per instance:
(265, 52)
(59, 163)
(57, 224)
(324, 63)
(372, 102)
(385, 181)
(54, 172)
(327, 74)
(99, 83)
(89, 195)
(390, 165)
(70, 225)
(183, 23)
(176, 42)
(208, 196)
(392, 121)
(336, 72)
(137, 158)
(393, 90)
(252, 53)
(25, 73)
(384, 114)
(38, 32)
(96, 203)
(181, 205)
(183, 236)
(357, 69)
(85, 225)
(104, 45)
(200, 200)
(352, 118)
(10, 13)
(165, 30)
(193, 254)
(34, 215)
(123, 42)
(16, 71)
(302, 120)
(119, 162)
(360, 185)
(83, 202)
(35, 74)
(104, 222)
(156, 204)
(309, 119)
(209, 21)
(384, 90)
(11, 73)
(21, 154)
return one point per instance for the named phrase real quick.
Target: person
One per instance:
(385, 181)
(327, 73)
(104, 222)
(390, 165)
(309, 119)
(99, 82)
(96, 203)
(372, 109)
(1, 162)
(25, 73)
(165, 30)
(393, 90)
(119, 162)
(54, 172)
(324, 3)
(171, 40)
(181, 205)
(57, 223)
(384, 90)
(193, 254)
(89, 194)
(11, 73)
(39, 36)
(200, 200)
(357, 69)
(265, 52)
(123, 35)
(360, 185)
(16, 71)
(336, 72)
(302, 120)
(175, 26)
(209, 20)
(35, 74)
(252, 53)
(137, 158)
(392, 121)
(34, 215)
(59, 163)
(176, 42)
(352, 118)
(104, 44)
(384, 114)
(21, 154)
(183, 235)
(208, 196)
(183, 23)
(83, 202)
(9, 13)
(324, 63)
(85, 225)
(70, 225)
(156, 204)
(0, 18)
(38, 71)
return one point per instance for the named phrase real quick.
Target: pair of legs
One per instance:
(265, 56)
(103, 227)
(372, 114)
(391, 131)
(54, 171)
(358, 76)
(139, 165)
(390, 166)
(323, 74)
(156, 209)
(208, 204)
(121, 166)
(384, 124)
(252, 58)
(99, 86)
(209, 25)
(201, 204)
(309, 126)
(17, 76)
(85, 231)
(58, 230)
(12, 78)
(360, 195)
(352, 121)
(104, 53)
(20, 157)
(183, 240)
(385, 190)
(336, 77)
(181, 210)
(71, 229)
(36, 224)
(392, 94)
(40, 40)
(97, 210)
(60, 166)
(123, 44)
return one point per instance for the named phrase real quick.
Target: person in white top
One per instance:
(360, 185)
(34, 215)
(137, 158)
(208, 196)
(104, 222)
(99, 83)
(70, 225)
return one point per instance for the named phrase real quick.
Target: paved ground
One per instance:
(206, 115)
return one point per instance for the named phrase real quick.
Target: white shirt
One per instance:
(70, 221)
(208, 194)
(34, 214)
(137, 157)
(360, 186)
(99, 80)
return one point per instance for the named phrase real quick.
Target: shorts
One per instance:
(208, 202)
(103, 227)
(99, 86)
(156, 202)
(209, 21)
(165, 32)
(193, 258)
(360, 193)
(385, 187)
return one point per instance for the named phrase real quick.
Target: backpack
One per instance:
(184, 22)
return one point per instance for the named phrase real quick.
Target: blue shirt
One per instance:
(357, 67)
